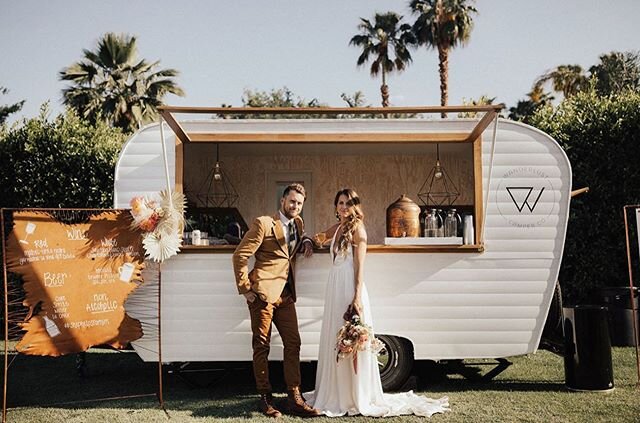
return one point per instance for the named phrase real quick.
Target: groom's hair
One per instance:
(294, 187)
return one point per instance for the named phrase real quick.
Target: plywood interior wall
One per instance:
(379, 179)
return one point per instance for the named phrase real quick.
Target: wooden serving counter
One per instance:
(374, 248)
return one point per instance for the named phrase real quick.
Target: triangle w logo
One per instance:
(520, 197)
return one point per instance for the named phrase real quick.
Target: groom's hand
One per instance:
(250, 296)
(307, 245)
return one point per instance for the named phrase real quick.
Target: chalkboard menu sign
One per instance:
(76, 279)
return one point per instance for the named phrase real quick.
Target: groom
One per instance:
(270, 291)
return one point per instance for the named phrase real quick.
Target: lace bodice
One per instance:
(338, 258)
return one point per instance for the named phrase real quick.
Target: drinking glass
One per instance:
(29, 229)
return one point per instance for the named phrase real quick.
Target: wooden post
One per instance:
(6, 320)
(486, 197)
(160, 395)
(631, 293)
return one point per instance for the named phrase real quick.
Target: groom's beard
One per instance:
(289, 214)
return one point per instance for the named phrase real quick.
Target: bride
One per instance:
(353, 386)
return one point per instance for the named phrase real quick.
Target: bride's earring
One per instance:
(337, 215)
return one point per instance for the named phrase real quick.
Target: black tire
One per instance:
(552, 338)
(553, 325)
(395, 362)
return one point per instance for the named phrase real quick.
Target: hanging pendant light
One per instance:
(438, 189)
(217, 189)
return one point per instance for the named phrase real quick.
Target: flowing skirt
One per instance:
(339, 390)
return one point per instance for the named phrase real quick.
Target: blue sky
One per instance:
(224, 47)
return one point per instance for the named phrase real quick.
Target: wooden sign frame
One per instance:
(102, 251)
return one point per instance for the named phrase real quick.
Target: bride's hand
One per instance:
(357, 306)
(319, 239)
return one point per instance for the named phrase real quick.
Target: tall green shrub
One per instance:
(66, 162)
(601, 136)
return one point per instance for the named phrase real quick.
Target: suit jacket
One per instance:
(265, 240)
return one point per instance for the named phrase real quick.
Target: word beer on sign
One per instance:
(76, 278)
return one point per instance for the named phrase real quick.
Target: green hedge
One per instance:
(66, 162)
(601, 136)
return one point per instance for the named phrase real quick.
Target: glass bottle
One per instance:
(442, 215)
(451, 223)
(423, 222)
(432, 224)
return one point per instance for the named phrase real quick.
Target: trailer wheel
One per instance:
(395, 362)
(553, 324)
(552, 338)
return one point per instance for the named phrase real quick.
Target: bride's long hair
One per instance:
(355, 218)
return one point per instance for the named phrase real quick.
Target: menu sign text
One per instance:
(77, 278)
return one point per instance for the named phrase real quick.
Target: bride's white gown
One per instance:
(339, 390)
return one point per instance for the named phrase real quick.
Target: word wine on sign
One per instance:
(75, 234)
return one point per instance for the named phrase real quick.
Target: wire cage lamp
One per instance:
(438, 189)
(217, 189)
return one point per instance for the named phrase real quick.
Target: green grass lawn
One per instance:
(531, 390)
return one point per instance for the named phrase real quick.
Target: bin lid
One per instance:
(590, 307)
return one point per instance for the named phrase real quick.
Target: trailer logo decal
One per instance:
(525, 202)
(525, 196)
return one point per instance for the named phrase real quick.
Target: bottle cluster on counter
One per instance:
(408, 225)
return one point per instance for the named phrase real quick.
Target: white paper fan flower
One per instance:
(178, 201)
(159, 246)
(164, 223)
(173, 216)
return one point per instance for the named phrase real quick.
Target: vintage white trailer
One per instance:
(489, 299)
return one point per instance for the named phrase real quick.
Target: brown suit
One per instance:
(266, 241)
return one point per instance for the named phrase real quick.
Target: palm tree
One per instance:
(5, 111)
(484, 100)
(387, 40)
(539, 96)
(355, 100)
(112, 84)
(443, 25)
(525, 109)
(566, 79)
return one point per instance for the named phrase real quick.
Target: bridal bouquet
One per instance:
(162, 223)
(355, 336)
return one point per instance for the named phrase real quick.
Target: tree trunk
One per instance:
(443, 55)
(384, 90)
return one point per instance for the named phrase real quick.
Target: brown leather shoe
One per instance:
(266, 406)
(296, 406)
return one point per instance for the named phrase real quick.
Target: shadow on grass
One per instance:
(239, 408)
(223, 390)
(502, 385)
(54, 381)
(454, 376)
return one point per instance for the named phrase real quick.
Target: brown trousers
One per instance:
(283, 314)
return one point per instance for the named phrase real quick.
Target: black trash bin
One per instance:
(587, 358)
(620, 314)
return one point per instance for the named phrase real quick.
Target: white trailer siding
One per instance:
(449, 305)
